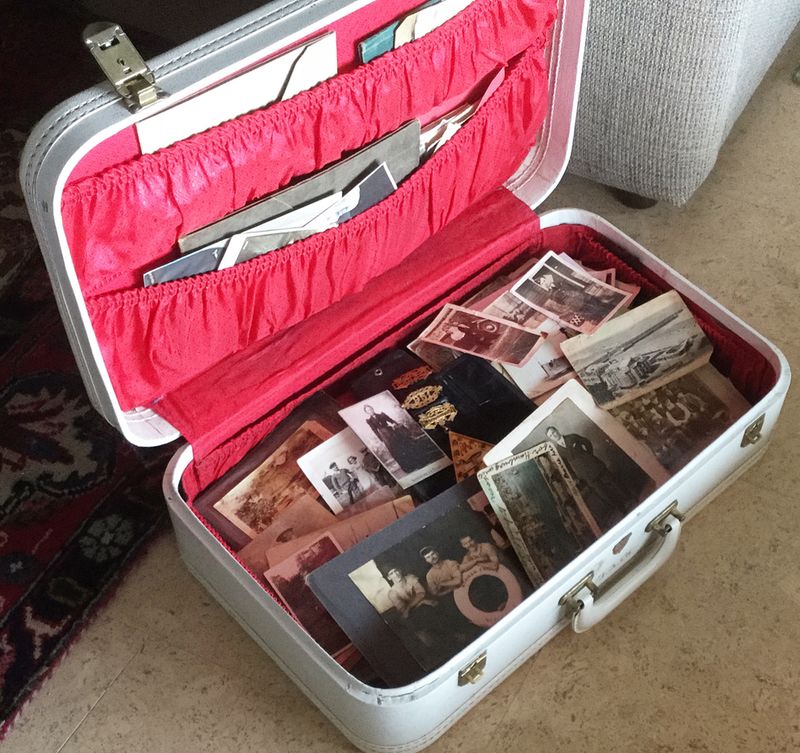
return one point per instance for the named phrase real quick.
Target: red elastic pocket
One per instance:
(155, 339)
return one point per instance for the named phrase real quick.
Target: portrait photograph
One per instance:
(398, 442)
(680, 419)
(416, 593)
(612, 470)
(442, 586)
(481, 335)
(567, 293)
(639, 351)
(344, 472)
(288, 579)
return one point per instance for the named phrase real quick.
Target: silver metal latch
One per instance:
(122, 64)
(753, 432)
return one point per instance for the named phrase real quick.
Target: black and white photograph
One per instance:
(415, 594)
(612, 470)
(505, 305)
(567, 293)
(548, 368)
(345, 472)
(481, 335)
(547, 518)
(638, 351)
(289, 581)
(395, 439)
(680, 419)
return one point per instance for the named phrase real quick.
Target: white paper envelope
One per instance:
(430, 18)
(280, 78)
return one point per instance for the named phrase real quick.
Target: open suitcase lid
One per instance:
(63, 139)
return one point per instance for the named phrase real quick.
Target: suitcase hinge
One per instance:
(753, 432)
(473, 671)
(122, 64)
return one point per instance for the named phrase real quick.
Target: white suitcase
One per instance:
(81, 134)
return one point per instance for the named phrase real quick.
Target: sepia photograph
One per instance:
(680, 419)
(638, 351)
(481, 335)
(275, 484)
(395, 439)
(567, 293)
(289, 581)
(345, 472)
(305, 516)
(441, 586)
(436, 356)
(537, 499)
(612, 470)
(349, 531)
(414, 594)
(548, 368)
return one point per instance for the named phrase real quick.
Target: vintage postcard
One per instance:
(395, 439)
(345, 472)
(639, 351)
(275, 484)
(546, 516)
(481, 335)
(682, 418)
(289, 581)
(413, 595)
(565, 292)
(613, 471)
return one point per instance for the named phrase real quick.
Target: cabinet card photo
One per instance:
(395, 438)
(611, 469)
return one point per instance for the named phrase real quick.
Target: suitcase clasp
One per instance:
(753, 432)
(473, 671)
(122, 64)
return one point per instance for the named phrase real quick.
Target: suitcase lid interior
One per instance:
(95, 129)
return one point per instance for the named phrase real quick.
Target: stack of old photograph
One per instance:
(407, 511)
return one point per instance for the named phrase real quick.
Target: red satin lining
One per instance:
(155, 339)
(488, 238)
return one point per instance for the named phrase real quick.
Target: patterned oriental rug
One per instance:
(77, 502)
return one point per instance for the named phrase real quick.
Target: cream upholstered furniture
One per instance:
(663, 83)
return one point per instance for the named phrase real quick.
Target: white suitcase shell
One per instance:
(411, 717)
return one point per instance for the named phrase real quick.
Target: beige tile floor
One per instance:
(705, 657)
